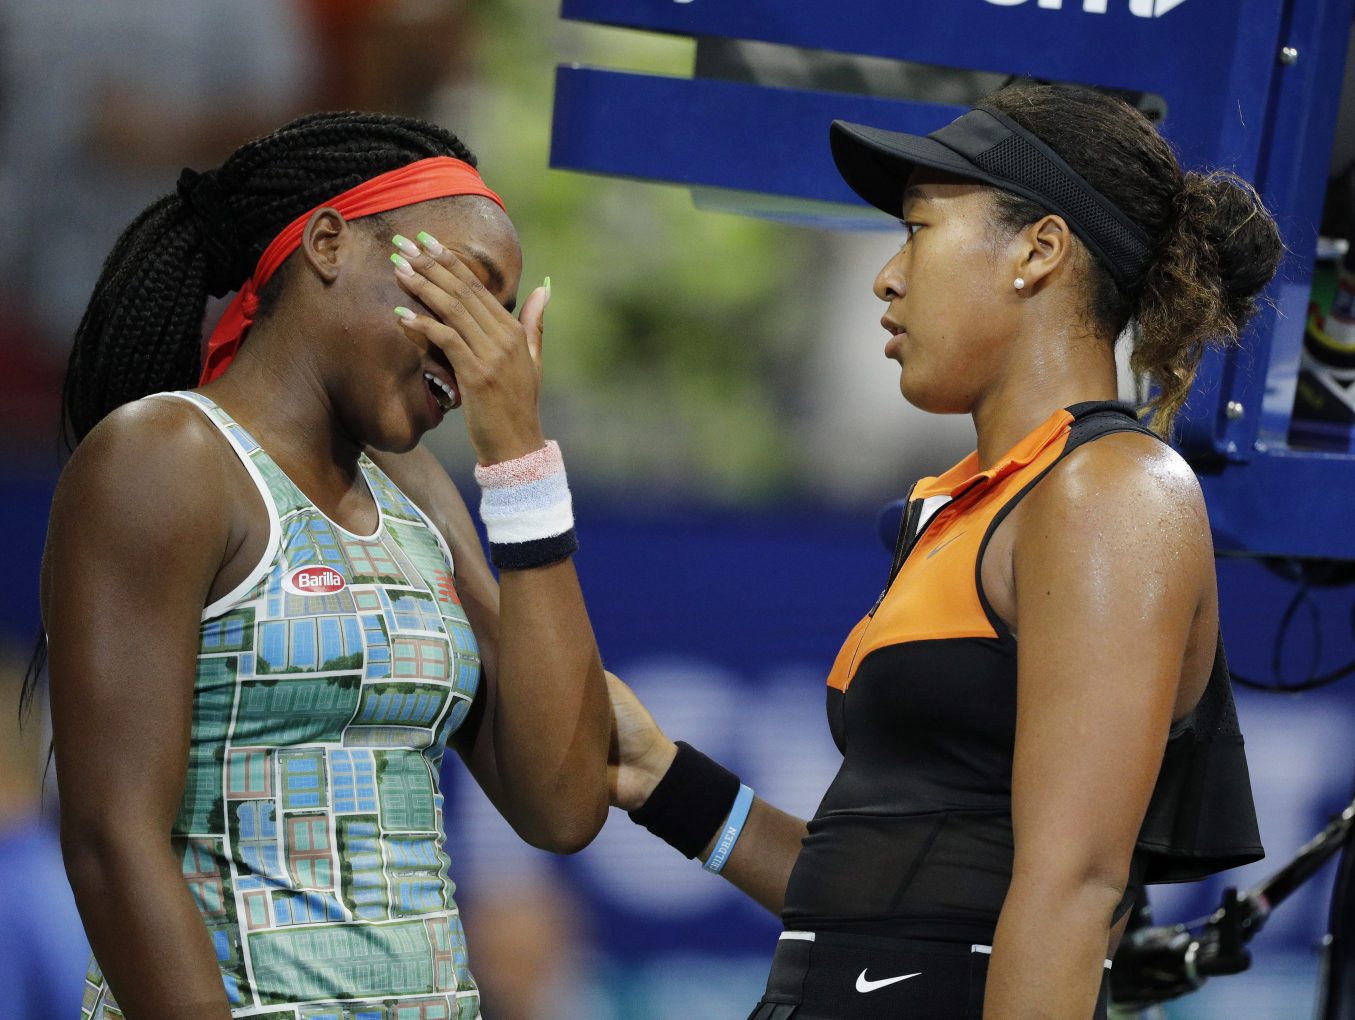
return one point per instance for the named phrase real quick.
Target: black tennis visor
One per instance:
(988, 146)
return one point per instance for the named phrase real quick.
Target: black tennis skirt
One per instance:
(828, 976)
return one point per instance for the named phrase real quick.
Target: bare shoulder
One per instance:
(142, 500)
(156, 452)
(1125, 481)
(153, 471)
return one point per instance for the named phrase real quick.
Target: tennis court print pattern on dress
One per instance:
(310, 830)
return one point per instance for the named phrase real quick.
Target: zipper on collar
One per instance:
(910, 534)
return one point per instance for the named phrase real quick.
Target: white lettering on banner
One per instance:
(1152, 8)
(1138, 8)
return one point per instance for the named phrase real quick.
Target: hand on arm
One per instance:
(1112, 564)
(134, 543)
(641, 755)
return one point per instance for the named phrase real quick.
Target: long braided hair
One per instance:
(142, 330)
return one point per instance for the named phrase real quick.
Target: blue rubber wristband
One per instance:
(729, 833)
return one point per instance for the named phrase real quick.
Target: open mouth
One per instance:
(445, 394)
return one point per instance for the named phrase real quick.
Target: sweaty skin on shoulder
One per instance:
(1112, 572)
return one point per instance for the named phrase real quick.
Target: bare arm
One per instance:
(1112, 564)
(134, 543)
(762, 859)
(536, 740)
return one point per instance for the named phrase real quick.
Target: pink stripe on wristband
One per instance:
(526, 509)
(531, 467)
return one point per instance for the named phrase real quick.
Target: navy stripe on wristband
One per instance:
(538, 552)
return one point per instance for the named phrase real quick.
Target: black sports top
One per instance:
(914, 837)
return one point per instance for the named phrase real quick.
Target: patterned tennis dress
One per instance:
(311, 830)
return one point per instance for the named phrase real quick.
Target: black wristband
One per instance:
(690, 803)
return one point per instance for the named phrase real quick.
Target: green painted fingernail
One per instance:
(402, 265)
(405, 245)
(404, 314)
(430, 243)
(546, 283)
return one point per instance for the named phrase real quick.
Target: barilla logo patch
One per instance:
(314, 580)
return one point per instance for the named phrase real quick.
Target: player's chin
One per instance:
(397, 433)
(930, 396)
(388, 443)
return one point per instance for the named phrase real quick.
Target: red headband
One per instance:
(437, 177)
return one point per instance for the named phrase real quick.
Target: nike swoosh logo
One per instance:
(942, 546)
(865, 985)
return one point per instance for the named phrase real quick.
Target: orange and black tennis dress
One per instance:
(913, 840)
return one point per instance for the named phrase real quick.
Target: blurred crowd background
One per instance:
(731, 426)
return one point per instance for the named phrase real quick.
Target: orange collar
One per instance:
(966, 475)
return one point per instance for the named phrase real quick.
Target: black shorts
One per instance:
(827, 976)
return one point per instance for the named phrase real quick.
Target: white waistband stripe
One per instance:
(988, 951)
(808, 936)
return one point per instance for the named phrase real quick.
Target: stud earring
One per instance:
(1019, 283)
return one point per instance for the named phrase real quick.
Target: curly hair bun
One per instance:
(1217, 246)
(1215, 259)
(1227, 214)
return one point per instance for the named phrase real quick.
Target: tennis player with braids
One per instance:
(267, 608)
(1035, 715)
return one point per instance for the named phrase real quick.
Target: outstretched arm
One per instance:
(1113, 568)
(641, 755)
